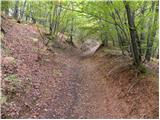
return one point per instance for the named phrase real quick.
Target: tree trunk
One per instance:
(22, 10)
(133, 35)
(52, 20)
(72, 20)
(151, 32)
(7, 8)
(123, 30)
(142, 35)
(16, 9)
(56, 18)
(155, 50)
(33, 20)
(118, 34)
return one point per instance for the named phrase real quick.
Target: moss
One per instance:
(35, 49)
(3, 99)
(13, 84)
(142, 69)
(7, 51)
(1, 35)
(13, 78)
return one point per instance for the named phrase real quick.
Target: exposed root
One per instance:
(130, 88)
(117, 67)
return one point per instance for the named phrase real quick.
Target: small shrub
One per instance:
(3, 99)
(12, 83)
(142, 69)
(6, 50)
(35, 49)
(13, 79)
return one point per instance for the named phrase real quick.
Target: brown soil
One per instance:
(65, 85)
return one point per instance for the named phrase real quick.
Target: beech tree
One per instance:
(16, 9)
(152, 30)
(131, 27)
(134, 36)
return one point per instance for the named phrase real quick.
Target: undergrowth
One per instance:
(142, 69)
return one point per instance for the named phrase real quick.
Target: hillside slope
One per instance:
(37, 83)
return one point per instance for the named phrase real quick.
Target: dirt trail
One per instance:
(65, 85)
(79, 91)
(60, 95)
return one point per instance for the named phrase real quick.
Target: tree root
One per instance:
(130, 88)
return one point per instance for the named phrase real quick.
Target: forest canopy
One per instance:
(129, 26)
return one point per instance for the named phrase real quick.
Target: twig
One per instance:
(131, 87)
(2, 30)
(42, 35)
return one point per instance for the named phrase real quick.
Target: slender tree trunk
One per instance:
(113, 41)
(104, 39)
(23, 9)
(7, 8)
(133, 34)
(151, 31)
(52, 20)
(150, 46)
(71, 35)
(123, 30)
(33, 20)
(125, 37)
(56, 18)
(72, 20)
(65, 27)
(157, 54)
(16, 9)
(120, 42)
(142, 35)
(59, 10)
(155, 50)
(6, 11)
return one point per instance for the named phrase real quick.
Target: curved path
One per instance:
(66, 85)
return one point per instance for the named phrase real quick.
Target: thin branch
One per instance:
(86, 13)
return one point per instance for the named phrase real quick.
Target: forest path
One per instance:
(79, 90)
(65, 85)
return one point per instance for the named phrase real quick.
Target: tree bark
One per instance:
(72, 20)
(133, 35)
(16, 9)
(56, 18)
(23, 9)
(151, 31)
(120, 42)
(142, 35)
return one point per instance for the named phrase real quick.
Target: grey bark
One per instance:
(151, 31)
(23, 9)
(72, 20)
(120, 42)
(133, 35)
(16, 9)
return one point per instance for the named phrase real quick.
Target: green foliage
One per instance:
(13, 79)
(142, 69)
(3, 99)
(105, 20)
(12, 83)
(5, 5)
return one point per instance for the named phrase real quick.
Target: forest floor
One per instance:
(37, 83)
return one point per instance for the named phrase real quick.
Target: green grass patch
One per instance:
(142, 69)
(7, 50)
(13, 78)
(35, 49)
(3, 99)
